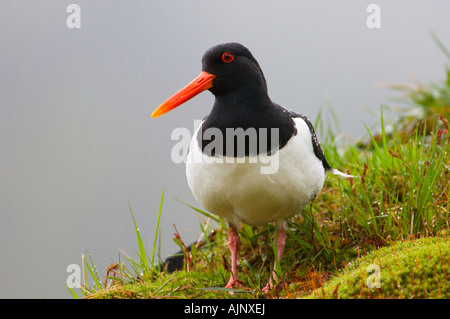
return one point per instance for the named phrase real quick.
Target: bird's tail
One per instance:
(339, 173)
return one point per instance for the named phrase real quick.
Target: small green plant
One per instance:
(142, 270)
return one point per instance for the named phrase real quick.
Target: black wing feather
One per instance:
(315, 142)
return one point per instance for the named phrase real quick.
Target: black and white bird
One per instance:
(250, 160)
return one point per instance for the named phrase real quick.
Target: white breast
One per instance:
(239, 192)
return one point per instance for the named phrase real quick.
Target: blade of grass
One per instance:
(440, 45)
(223, 289)
(157, 228)
(142, 254)
(200, 211)
(94, 274)
(74, 295)
(165, 283)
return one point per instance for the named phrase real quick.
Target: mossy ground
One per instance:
(406, 269)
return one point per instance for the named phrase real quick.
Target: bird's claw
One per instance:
(234, 283)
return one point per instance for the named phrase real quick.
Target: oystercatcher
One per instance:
(250, 160)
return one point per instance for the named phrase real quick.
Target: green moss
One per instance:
(407, 269)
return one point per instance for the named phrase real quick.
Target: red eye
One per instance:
(227, 57)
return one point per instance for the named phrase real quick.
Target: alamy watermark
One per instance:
(74, 279)
(374, 19)
(235, 145)
(374, 279)
(73, 21)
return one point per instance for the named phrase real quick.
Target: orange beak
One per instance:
(198, 85)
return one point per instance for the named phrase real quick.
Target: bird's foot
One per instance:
(269, 286)
(234, 283)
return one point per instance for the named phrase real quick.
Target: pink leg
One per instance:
(281, 242)
(233, 242)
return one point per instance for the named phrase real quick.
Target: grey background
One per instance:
(77, 142)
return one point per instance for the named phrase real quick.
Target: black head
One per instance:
(230, 72)
(234, 76)
(235, 69)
